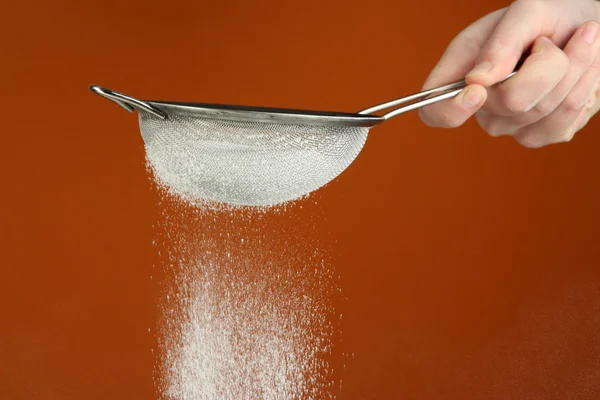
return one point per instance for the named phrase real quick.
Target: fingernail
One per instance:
(535, 103)
(472, 98)
(541, 43)
(530, 107)
(481, 69)
(590, 33)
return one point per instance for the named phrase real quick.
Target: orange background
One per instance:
(469, 264)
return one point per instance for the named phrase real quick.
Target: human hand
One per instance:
(554, 93)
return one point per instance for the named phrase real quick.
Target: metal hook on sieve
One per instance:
(127, 102)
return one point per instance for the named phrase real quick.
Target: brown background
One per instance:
(470, 265)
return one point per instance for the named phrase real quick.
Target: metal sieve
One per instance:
(252, 155)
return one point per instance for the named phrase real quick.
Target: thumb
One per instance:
(461, 55)
(457, 60)
(514, 34)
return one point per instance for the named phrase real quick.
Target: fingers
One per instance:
(505, 46)
(456, 111)
(580, 54)
(456, 61)
(569, 117)
(592, 107)
(545, 102)
(581, 51)
(461, 54)
(559, 113)
(540, 74)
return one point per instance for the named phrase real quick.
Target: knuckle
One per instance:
(534, 6)
(566, 137)
(573, 103)
(546, 106)
(449, 121)
(464, 42)
(492, 126)
(531, 141)
(439, 118)
(457, 42)
(513, 103)
(498, 40)
(537, 139)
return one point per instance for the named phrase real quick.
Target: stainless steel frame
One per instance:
(364, 118)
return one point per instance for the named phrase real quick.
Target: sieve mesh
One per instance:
(246, 163)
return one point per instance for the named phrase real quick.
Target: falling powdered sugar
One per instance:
(247, 303)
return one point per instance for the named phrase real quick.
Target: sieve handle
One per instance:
(127, 102)
(421, 99)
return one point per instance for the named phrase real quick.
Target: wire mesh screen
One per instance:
(246, 163)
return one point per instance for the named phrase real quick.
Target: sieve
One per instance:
(256, 156)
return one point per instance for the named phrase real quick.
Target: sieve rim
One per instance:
(266, 114)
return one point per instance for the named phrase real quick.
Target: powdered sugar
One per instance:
(247, 307)
(246, 163)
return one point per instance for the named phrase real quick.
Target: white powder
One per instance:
(247, 307)
(246, 163)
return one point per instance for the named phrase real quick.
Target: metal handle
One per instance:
(127, 102)
(446, 92)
